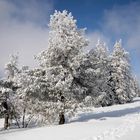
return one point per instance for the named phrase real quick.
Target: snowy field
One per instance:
(118, 122)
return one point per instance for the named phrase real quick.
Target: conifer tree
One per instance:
(59, 60)
(121, 74)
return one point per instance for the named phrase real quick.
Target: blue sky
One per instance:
(89, 13)
(23, 26)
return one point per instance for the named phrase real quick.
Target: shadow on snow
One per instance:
(102, 115)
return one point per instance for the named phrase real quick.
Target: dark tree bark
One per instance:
(23, 119)
(6, 114)
(61, 114)
(5, 105)
(61, 118)
(6, 122)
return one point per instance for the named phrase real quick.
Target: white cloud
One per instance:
(121, 22)
(124, 22)
(21, 31)
(93, 38)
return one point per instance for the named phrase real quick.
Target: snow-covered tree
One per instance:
(93, 74)
(12, 67)
(105, 96)
(7, 91)
(16, 90)
(121, 74)
(135, 87)
(58, 61)
(24, 103)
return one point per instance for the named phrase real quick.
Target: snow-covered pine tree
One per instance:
(20, 85)
(93, 72)
(6, 109)
(135, 87)
(101, 53)
(12, 67)
(7, 91)
(59, 60)
(121, 74)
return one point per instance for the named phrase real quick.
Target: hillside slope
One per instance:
(118, 122)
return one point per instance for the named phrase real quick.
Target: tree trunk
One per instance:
(61, 118)
(6, 114)
(6, 122)
(23, 119)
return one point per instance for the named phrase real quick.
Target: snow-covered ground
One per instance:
(118, 122)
